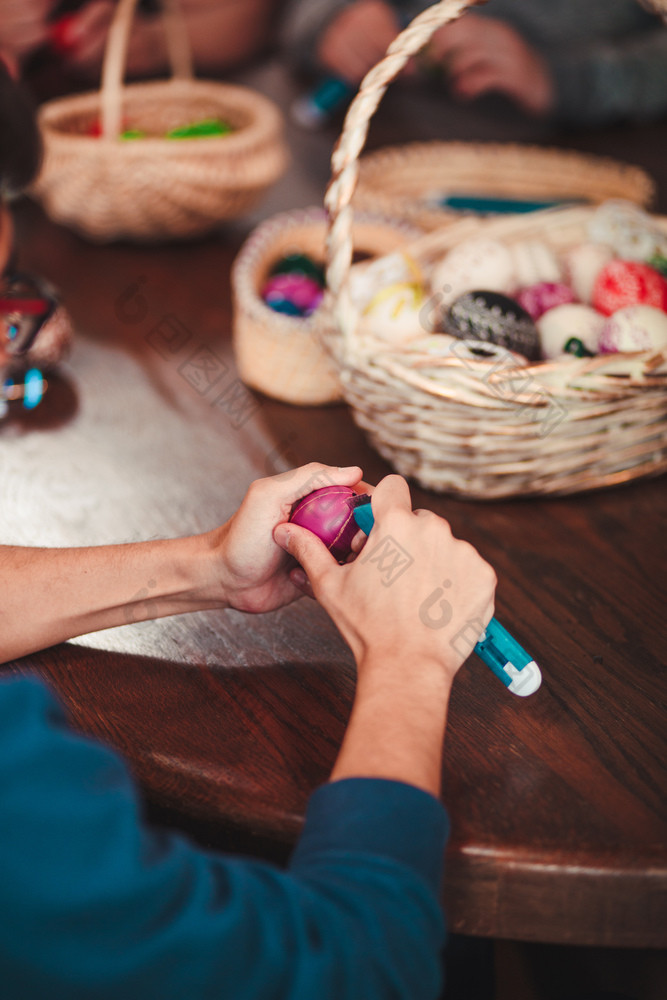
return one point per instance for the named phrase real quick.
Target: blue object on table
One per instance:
(508, 660)
(480, 205)
(316, 108)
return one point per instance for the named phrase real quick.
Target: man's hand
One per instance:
(482, 54)
(251, 569)
(445, 584)
(401, 605)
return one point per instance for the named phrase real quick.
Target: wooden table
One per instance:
(557, 802)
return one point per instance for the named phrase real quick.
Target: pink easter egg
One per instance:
(544, 295)
(327, 513)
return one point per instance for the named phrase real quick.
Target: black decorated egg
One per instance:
(495, 318)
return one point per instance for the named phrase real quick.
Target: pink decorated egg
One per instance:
(634, 328)
(623, 283)
(544, 295)
(327, 513)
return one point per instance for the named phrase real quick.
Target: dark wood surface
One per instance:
(557, 802)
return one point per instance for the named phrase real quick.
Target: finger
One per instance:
(301, 582)
(363, 487)
(312, 554)
(358, 543)
(297, 483)
(478, 81)
(391, 493)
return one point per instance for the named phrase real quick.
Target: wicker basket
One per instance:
(407, 181)
(473, 427)
(155, 188)
(281, 355)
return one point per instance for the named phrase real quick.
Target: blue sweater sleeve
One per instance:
(94, 905)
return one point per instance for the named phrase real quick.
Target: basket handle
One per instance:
(345, 157)
(115, 57)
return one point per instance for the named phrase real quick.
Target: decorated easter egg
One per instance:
(327, 513)
(631, 232)
(634, 328)
(368, 278)
(299, 263)
(490, 316)
(474, 263)
(623, 283)
(303, 293)
(570, 321)
(583, 263)
(539, 298)
(394, 314)
(534, 261)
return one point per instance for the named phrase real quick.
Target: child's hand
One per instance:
(482, 54)
(357, 39)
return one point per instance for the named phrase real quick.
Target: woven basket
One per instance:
(406, 181)
(283, 356)
(468, 426)
(154, 188)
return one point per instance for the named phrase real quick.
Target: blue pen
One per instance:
(496, 647)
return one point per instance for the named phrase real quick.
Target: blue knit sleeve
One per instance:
(95, 906)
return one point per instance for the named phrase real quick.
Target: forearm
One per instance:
(50, 595)
(397, 727)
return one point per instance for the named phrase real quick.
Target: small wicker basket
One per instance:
(281, 355)
(409, 181)
(473, 427)
(155, 188)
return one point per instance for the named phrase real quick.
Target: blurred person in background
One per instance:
(222, 33)
(578, 62)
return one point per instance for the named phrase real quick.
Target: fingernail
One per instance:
(281, 535)
(298, 578)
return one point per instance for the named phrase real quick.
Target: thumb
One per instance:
(306, 548)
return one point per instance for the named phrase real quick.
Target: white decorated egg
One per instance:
(570, 321)
(394, 314)
(582, 264)
(534, 261)
(369, 277)
(634, 328)
(474, 263)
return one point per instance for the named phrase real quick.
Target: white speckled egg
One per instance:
(475, 263)
(634, 328)
(559, 325)
(582, 264)
(394, 314)
(534, 261)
